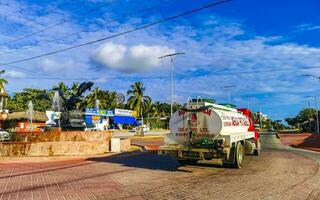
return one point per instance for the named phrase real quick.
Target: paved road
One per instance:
(277, 174)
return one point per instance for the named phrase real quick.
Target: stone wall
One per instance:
(125, 145)
(56, 143)
(53, 148)
(63, 136)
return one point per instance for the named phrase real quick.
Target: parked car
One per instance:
(4, 135)
(144, 127)
(257, 127)
(271, 129)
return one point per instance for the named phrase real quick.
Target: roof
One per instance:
(4, 94)
(37, 116)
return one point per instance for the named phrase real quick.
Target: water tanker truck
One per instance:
(208, 132)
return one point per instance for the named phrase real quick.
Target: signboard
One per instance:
(95, 119)
(123, 112)
(94, 111)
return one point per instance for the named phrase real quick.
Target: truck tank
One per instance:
(205, 120)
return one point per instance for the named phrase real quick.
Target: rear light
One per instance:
(256, 135)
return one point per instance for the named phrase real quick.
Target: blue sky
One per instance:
(224, 45)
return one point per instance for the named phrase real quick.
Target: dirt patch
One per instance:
(303, 140)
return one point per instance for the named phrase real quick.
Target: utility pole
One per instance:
(309, 116)
(171, 88)
(260, 118)
(317, 112)
(228, 87)
(315, 98)
(249, 98)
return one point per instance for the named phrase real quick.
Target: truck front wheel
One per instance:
(239, 155)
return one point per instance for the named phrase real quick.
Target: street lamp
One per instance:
(228, 87)
(309, 115)
(171, 61)
(316, 103)
(260, 122)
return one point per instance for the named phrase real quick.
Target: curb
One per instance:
(147, 147)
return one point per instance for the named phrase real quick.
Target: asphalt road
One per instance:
(279, 173)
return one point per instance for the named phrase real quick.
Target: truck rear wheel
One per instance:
(239, 155)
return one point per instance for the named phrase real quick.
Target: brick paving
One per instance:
(144, 175)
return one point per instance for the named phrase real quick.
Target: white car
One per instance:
(4, 135)
(144, 127)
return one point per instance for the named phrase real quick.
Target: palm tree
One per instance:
(137, 101)
(74, 88)
(2, 80)
(96, 94)
(64, 88)
(158, 110)
(110, 98)
(107, 99)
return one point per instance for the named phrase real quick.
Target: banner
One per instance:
(94, 111)
(123, 112)
(52, 117)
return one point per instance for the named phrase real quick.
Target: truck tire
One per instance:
(187, 162)
(239, 155)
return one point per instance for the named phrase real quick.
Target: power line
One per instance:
(155, 77)
(23, 69)
(84, 78)
(78, 32)
(262, 71)
(48, 41)
(47, 28)
(122, 33)
(35, 18)
(35, 33)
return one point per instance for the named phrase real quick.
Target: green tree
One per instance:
(2, 80)
(107, 99)
(20, 100)
(64, 88)
(74, 88)
(302, 120)
(137, 100)
(157, 109)
(303, 116)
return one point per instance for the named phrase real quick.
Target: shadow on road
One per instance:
(145, 159)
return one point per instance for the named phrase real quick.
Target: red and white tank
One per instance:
(209, 121)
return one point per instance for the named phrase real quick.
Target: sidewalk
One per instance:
(126, 134)
(301, 140)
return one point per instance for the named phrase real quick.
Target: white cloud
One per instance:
(130, 59)
(50, 65)
(14, 74)
(307, 27)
